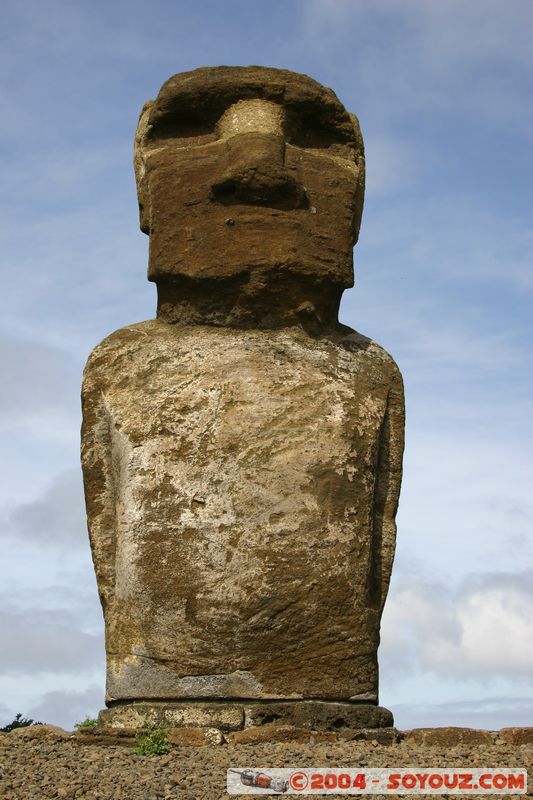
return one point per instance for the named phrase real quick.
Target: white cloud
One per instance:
(497, 633)
(36, 641)
(37, 379)
(57, 517)
(465, 502)
(65, 708)
(62, 707)
(440, 56)
(4, 714)
(483, 630)
(491, 713)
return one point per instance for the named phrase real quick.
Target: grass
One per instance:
(87, 723)
(152, 741)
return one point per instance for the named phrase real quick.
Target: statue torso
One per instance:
(244, 464)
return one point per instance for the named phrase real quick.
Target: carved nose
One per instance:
(257, 174)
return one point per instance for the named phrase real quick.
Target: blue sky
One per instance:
(443, 280)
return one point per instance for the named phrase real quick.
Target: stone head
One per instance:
(251, 174)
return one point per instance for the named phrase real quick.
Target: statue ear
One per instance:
(140, 168)
(360, 188)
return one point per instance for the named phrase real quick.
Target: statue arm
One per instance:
(387, 491)
(97, 467)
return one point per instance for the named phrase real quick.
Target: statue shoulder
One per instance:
(384, 358)
(371, 352)
(126, 343)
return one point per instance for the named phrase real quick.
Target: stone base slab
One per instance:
(313, 715)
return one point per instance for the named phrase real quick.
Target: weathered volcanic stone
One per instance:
(173, 715)
(279, 733)
(517, 735)
(242, 453)
(247, 558)
(311, 714)
(318, 715)
(449, 737)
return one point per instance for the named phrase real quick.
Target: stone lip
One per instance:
(279, 732)
(517, 735)
(39, 731)
(272, 732)
(449, 736)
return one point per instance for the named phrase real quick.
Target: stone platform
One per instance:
(313, 715)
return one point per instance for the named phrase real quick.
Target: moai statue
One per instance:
(242, 452)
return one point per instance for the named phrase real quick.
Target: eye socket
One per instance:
(193, 124)
(315, 131)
